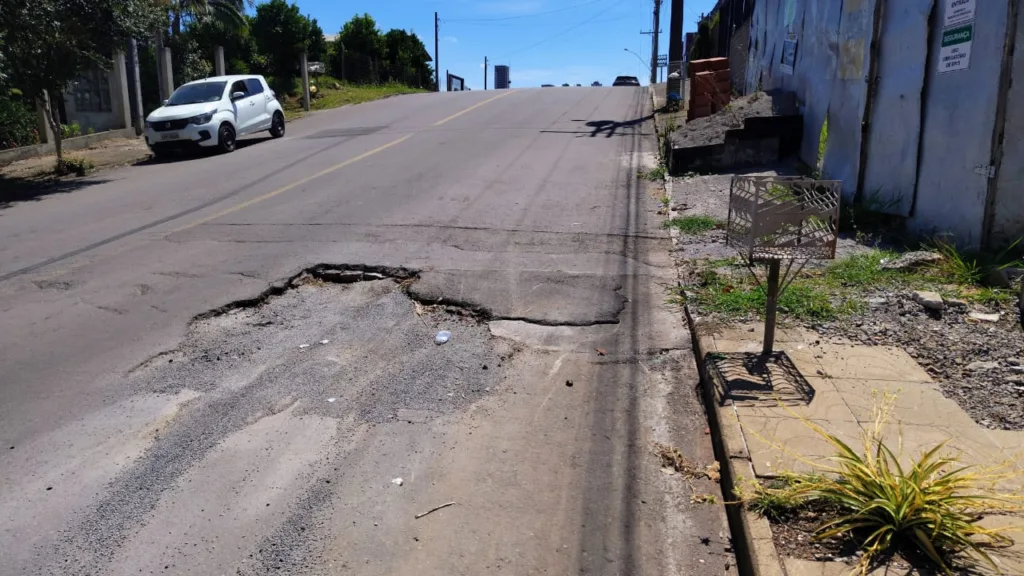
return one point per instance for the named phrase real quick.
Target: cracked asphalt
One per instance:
(170, 404)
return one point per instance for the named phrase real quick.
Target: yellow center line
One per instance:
(473, 107)
(326, 171)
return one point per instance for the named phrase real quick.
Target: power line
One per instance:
(562, 33)
(535, 14)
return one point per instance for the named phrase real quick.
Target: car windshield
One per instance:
(197, 93)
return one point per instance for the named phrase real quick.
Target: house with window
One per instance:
(97, 100)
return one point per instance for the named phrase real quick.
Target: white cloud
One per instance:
(450, 39)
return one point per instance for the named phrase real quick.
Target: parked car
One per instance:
(212, 114)
(547, 85)
(595, 84)
(626, 81)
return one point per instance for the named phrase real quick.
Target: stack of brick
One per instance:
(710, 87)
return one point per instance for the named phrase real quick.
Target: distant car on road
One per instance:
(213, 113)
(626, 81)
(565, 85)
(547, 85)
(596, 84)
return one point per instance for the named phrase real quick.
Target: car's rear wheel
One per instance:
(226, 138)
(277, 125)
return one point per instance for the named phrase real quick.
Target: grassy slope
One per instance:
(329, 98)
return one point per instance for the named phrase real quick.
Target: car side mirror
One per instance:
(165, 102)
(237, 96)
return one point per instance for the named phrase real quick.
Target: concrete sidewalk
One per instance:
(762, 408)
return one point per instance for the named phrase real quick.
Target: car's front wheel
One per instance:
(226, 138)
(277, 125)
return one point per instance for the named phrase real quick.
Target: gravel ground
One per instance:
(712, 129)
(362, 345)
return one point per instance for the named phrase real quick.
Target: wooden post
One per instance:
(772, 306)
(304, 63)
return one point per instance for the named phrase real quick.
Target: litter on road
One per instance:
(442, 337)
(325, 341)
(435, 509)
(397, 481)
(303, 346)
(331, 399)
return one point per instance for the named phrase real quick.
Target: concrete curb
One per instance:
(67, 145)
(751, 534)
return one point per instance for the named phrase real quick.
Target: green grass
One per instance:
(655, 174)
(329, 98)
(692, 224)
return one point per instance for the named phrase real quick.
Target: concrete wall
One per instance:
(1008, 204)
(119, 115)
(929, 137)
(67, 145)
(956, 137)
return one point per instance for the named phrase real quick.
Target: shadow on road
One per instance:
(17, 190)
(608, 128)
(197, 153)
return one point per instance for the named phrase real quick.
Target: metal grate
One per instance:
(783, 218)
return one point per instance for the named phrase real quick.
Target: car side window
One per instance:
(239, 86)
(255, 86)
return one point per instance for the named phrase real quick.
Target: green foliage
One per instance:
(46, 44)
(70, 130)
(692, 224)
(363, 55)
(316, 46)
(970, 268)
(931, 502)
(330, 98)
(227, 14)
(17, 123)
(822, 144)
(281, 34)
(73, 165)
(655, 174)
(800, 300)
(775, 501)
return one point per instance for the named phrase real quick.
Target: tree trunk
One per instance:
(53, 118)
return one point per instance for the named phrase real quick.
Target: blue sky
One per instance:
(543, 41)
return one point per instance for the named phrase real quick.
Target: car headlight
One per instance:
(148, 124)
(201, 119)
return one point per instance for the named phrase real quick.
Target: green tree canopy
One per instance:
(46, 44)
(281, 34)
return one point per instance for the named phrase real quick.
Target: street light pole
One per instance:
(642, 63)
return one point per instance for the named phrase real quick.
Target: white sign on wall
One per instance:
(955, 51)
(959, 12)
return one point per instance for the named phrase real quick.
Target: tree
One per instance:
(316, 46)
(358, 50)
(228, 13)
(406, 58)
(48, 43)
(281, 34)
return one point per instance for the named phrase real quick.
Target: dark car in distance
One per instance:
(626, 81)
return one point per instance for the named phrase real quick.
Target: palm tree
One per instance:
(229, 13)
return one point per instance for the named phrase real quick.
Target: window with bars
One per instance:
(92, 92)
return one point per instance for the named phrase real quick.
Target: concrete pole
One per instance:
(218, 60)
(437, 58)
(119, 90)
(159, 52)
(168, 75)
(135, 85)
(485, 72)
(304, 64)
(675, 47)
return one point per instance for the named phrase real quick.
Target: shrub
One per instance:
(17, 123)
(70, 130)
(74, 165)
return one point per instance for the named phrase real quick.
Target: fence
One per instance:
(923, 118)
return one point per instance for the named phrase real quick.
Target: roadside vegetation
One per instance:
(44, 49)
(692, 224)
(837, 290)
(880, 502)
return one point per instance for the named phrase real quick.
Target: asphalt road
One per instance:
(156, 418)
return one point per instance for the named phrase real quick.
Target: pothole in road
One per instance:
(338, 340)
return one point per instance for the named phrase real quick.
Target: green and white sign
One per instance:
(955, 52)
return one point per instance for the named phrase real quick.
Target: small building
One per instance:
(98, 100)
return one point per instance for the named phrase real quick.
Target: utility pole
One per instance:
(675, 48)
(654, 41)
(485, 72)
(437, 59)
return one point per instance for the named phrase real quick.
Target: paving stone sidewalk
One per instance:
(762, 407)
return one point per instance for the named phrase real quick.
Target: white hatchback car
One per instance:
(214, 112)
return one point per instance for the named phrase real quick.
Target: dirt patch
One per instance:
(712, 129)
